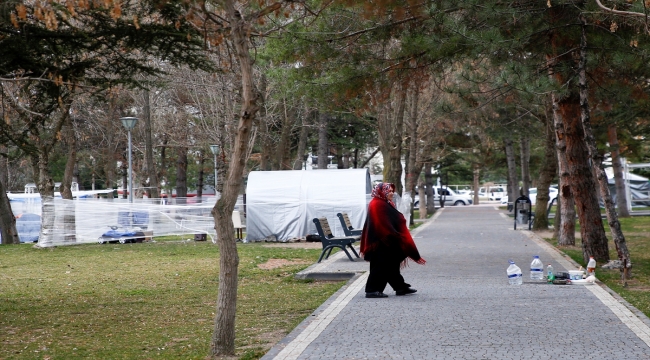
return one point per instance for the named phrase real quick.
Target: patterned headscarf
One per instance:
(381, 191)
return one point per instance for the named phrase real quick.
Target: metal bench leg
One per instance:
(329, 252)
(347, 253)
(353, 250)
(323, 253)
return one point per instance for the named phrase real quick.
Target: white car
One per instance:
(451, 198)
(552, 194)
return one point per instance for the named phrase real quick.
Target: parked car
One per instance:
(552, 194)
(450, 196)
(495, 193)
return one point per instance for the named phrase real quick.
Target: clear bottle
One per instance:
(591, 266)
(514, 274)
(536, 269)
(550, 274)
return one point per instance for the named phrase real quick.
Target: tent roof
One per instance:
(632, 177)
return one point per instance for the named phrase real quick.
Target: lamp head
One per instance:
(214, 149)
(129, 122)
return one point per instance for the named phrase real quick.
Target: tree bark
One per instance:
(266, 142)
(282, 154)
(152, 184)
(525, 168)
(69, 220)
(223, 340)
(323, 152)
(8, 230)
(565, 216)
(181, 175)
(201, 175)
(4, 166)
(617, 168)
(590, 141)
(546, 175)
(414, 168)
(428, 179)
(583, 185)
(475, 183)
(422, 206)
(302, 147)
(395, 150)
(513, 184)
(46, 190)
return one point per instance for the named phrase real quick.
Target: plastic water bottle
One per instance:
(514, 274)
(550, 274)
(536, 269)
(591, 267)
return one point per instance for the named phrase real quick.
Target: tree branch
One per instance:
(619, 12)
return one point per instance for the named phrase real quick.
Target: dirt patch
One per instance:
(276, 263)
(297, 245)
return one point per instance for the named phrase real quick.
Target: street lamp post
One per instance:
(129, 124)
(215, 151)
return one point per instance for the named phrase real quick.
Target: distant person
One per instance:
(387, 243)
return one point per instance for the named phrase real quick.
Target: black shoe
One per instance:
(405, 291)
(376, 294)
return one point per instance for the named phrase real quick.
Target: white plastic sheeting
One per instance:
(283, 204)
(96, 217)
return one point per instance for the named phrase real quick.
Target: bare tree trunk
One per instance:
(223, 340)
(590, 141)
(475, 183)
(163, 161)
(339, 157)
(413, 167)
(289, 120)
(266, 143)
(152, 184)
(513, 191)
(428, 179)
(583, 185)
(302, 147)
(323, 150)
(546, 175)
(69, 227)
(557, 219)
(617, 168)
(422, 194)
(525, 160)
(46, 189)
(565, 215)
(4, 166)
(181, 175)
(395, 150)
(8, 231)
(199, 185)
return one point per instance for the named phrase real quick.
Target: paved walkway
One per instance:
(464, 307)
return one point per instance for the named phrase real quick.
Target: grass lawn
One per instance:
(636, 231)
(149, 300)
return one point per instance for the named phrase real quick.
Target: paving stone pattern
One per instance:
(465, 309)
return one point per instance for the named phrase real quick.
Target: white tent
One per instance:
(283, 204)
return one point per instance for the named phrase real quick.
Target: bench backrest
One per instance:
(323, 227)
(346, 220)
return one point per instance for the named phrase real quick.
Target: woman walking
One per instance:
(387, 243)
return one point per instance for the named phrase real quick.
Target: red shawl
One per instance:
(385, 227)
